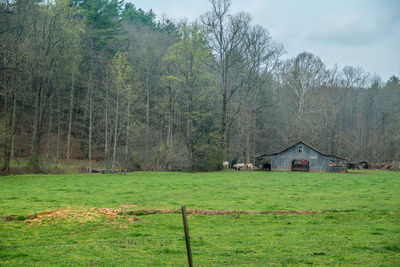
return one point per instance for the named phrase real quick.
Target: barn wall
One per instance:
(283, 161)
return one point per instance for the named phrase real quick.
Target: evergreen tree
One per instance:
(103, 20)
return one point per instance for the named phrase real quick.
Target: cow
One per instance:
(238, 166)
(249, 166)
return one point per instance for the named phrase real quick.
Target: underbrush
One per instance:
(32, 165)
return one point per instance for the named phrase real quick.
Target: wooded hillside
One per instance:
(105, 80)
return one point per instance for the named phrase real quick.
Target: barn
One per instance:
(300, 157)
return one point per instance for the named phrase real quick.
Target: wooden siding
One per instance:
(283, 160)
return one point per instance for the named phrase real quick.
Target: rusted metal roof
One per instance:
(310, 146)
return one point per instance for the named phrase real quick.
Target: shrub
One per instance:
(33, 164)
(208, 158)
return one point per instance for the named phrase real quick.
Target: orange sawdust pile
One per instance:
(72, 215)
(93, 214)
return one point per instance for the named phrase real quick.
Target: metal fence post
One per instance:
(186, 228)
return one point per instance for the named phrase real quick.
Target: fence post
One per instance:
(186, 228)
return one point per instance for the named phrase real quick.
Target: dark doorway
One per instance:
(266, 166)
(300, 165)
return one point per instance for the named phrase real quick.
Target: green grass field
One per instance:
(356, 220)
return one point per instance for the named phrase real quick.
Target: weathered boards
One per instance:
(298, 157)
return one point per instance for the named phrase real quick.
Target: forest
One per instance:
(104, 80)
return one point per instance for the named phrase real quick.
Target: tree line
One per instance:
(105, 81)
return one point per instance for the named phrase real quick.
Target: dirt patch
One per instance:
(110, 212)
(227, 212)
(216, 212)
(67, 214)
(94, 214)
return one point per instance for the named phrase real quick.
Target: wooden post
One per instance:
(186, 228)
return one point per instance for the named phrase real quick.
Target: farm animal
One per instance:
(238, 166)
(225, 164)
(249, 166)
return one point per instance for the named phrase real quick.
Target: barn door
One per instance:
(301, 165)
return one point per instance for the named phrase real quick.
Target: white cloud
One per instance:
(349, 29)
(362, 33)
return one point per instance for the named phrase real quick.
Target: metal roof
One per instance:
(310, 146)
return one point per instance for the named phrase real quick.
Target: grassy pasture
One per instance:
(357, 219)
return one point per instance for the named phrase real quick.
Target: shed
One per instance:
(300, 157)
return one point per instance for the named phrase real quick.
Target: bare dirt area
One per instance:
(67, 214)
(218, 212)
(93, 214)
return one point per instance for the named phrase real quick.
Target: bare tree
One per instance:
(261, 59)
(226, 34)
(303, 74)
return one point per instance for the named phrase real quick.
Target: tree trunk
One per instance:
(13, 120)
(5, 148)
(50, 127)
(71, 110)
(127, 136)
(106, 156)
(147, 119)
(13, 124)
(299, 119)
(5, 102)
(36, 135)
(90, 128)
(254, 138)
(35, 150)
(247, 136)
(193, 159)
(58, 127)
(170, 128)
(223, 144)
(190, 138)
(115, 135)
(5, 79)
(85, 114)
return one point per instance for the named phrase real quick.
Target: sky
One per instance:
(359, 33)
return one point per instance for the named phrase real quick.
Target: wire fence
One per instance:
(204, 236)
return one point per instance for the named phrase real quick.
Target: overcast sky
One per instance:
(363, 33)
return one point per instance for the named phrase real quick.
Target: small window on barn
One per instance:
(300, 149)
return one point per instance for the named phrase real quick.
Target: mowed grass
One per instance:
(357, 219)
